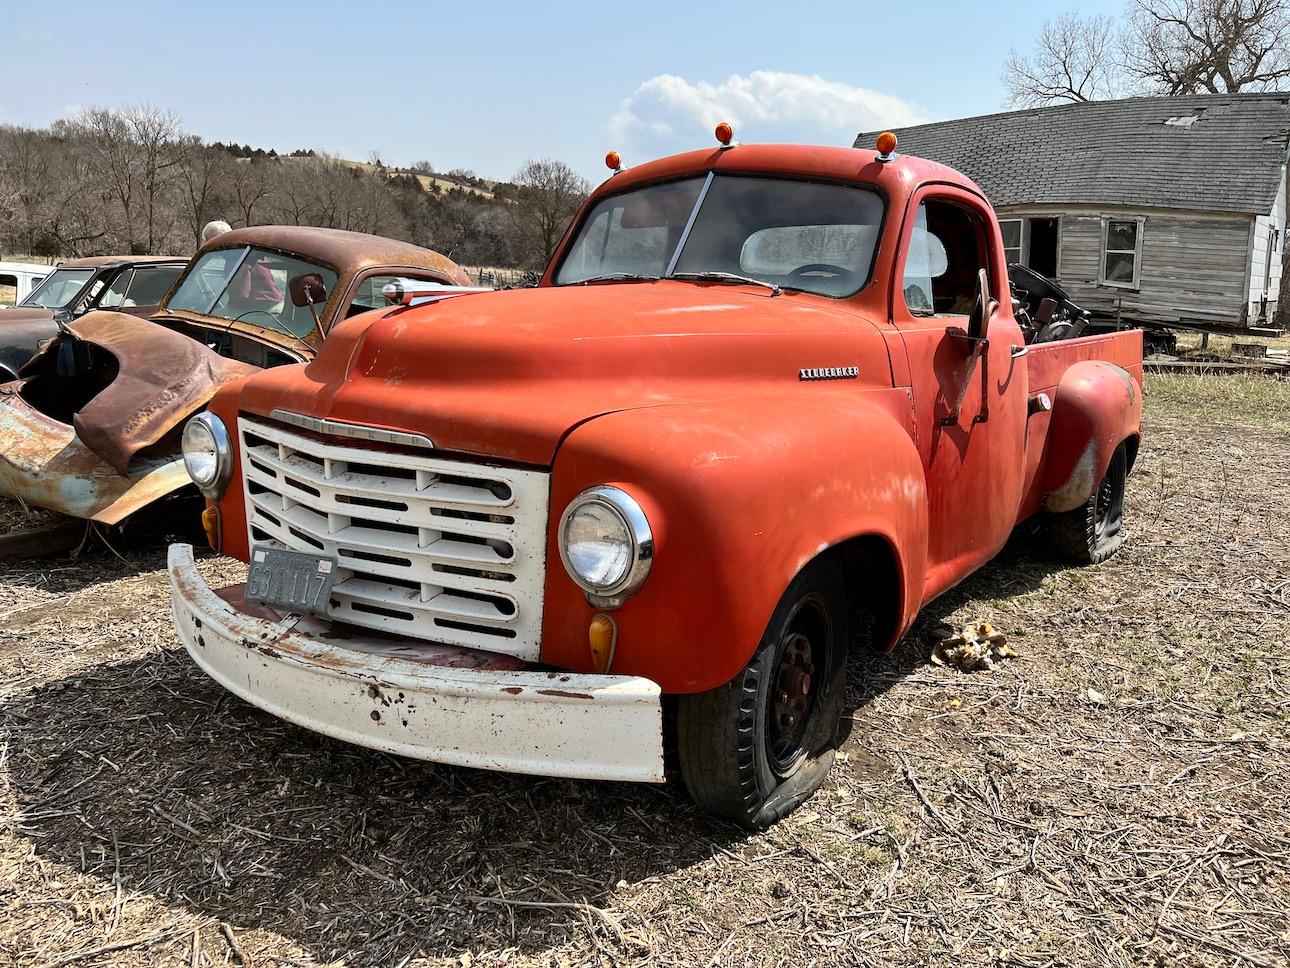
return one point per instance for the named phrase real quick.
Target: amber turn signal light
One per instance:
(603, 636)
(210, 524)
(613, 162)
(725, 133)
(886, 145)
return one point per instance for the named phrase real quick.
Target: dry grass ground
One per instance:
(1119, 795)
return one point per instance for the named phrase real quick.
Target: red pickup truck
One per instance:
(761, 390)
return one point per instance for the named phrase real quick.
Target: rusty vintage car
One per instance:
(767, 400)
(125, 283)
(90, 427)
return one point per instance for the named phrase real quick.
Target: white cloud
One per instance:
(669, 113)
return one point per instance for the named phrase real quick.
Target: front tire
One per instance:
(754, 749)
(1094, 531)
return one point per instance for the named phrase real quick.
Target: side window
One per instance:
(1122, 251)
(945, 254)
(150, 284)
(368, 295)
(115, 295)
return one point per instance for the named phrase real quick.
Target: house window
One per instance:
(1011, 229)
(1122, 252)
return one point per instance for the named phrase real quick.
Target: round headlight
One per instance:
(606, 543)
(208, 454)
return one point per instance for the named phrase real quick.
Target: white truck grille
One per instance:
(441, 550)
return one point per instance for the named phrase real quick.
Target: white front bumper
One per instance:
(420, 700)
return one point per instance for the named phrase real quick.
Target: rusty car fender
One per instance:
(1096, 407)
(741, 495)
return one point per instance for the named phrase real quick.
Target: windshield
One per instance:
(59, 288)
(809, 236)
(248, 284)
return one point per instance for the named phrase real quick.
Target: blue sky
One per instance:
(486, 86)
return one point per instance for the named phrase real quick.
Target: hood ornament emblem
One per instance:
(829, 373)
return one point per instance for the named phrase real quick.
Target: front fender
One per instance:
(1097, 406)
(740, 495)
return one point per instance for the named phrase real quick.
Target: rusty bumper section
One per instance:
(445, 704)
(43, 463)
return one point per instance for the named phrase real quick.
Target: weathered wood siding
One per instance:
(1194, 268)
(1263, 233)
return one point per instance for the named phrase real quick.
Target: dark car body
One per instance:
(129, 284)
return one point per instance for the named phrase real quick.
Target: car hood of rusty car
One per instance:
(161, 378)
(21, 330)
(507, 374)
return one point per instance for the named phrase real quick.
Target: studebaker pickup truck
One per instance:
(761, 390)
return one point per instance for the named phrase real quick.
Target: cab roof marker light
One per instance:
(886, 147)
(614, 162)
(726, 135)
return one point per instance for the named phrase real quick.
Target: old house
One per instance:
(1161, 209)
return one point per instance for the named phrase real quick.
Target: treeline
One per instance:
(110, 181)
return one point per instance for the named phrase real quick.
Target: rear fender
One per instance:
(1097, 406)
(740, 496)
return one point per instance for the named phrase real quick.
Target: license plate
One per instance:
(291, 581)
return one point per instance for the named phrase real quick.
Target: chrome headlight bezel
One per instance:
(636, 532)
(222, 446)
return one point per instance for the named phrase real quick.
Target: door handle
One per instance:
(1019, 351)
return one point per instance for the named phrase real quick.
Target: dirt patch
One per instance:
(1117, 795)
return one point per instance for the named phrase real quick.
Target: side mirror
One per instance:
(982, 309)
(307, 289)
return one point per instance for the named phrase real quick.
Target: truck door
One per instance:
(970, 399)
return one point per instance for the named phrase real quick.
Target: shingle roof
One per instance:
(1219, 152)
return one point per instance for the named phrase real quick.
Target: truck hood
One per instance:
(507, 374)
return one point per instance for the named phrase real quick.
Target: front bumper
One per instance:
(44, 463)
(440, 703)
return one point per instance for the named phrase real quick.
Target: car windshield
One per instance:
(810, 236)
(59, 288)
(248, 284)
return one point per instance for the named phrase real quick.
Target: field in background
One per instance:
(1115, 796)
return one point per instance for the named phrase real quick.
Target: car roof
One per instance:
(108, 261)
(347, 252)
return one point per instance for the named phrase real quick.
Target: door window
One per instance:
(150, 284)
(115, 295)
(945, 254)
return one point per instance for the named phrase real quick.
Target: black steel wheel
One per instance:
(1094, 531)
(752, 750)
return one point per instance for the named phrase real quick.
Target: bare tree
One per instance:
(1216, 46)
(251, 186)
(202, 175)
(549, 195)
(1074, 60)
(154, 133)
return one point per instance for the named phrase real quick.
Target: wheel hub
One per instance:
(792, 700)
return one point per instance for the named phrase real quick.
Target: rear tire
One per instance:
(1094, 531)
(752, 750)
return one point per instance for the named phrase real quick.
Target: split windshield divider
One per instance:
(689, 225)
(227, 279)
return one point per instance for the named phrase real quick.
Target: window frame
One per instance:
(980, 225)
(1139, 222)
(1023, 224)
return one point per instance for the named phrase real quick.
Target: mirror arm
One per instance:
(314, 313)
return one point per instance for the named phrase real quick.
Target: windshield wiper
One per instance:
(618, 277)
(727, 277)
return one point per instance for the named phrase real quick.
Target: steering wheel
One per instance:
(839, 271)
